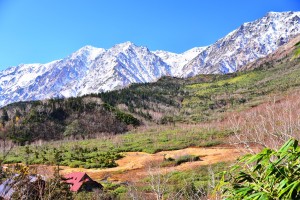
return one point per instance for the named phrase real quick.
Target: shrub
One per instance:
(186, 158)
(269, 174)
(76, 164)
(12, 160)
(178, 161)
(120, 190)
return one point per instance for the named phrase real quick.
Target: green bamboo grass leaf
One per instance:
(297, 54)
(257, 167)
(294, 189)
(258, 196)
(295, 145)
(263, 157)
(245, 157)
(286, 146)
(286, 190)
(280, 159)
(257, 157)
(244, 191)
(268, 175)
(271, 170)
(282, 184)
(235, 167)
(244, 177)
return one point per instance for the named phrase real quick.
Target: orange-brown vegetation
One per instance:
(134, 166)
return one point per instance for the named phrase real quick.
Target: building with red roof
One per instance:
(80, 181)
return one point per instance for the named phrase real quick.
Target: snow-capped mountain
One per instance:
(178, 61)
(249, 42)
(120, 66)
(93, 70)
(88, 70)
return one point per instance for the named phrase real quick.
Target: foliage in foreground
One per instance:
(269, 174)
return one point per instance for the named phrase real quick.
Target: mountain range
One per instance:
(95, 70)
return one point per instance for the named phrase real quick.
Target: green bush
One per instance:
(120, 190)
(11, 160)
(123, 117)
(269, 174)
(178, 161)
(76, 164)
(186, 158)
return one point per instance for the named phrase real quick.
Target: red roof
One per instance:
(76, 179)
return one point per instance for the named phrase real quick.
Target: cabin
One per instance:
(80, 181)
(28, 187)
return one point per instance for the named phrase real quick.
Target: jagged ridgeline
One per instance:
(94, 70)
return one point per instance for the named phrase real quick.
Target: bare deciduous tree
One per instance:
(268, 125)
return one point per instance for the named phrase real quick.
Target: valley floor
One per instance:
(134, 167)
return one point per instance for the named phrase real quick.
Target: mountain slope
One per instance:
(88, 70)
(120, 66)
(249, 42)
(41, 81)
(56, 119)
(277, 56)
(178, 61)
(94, 70)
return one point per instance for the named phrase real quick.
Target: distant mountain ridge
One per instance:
(88, 70)
(178, 61)
(94, 70)
(279, 54)
(251, 41)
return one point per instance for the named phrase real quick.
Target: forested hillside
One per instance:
(170, 100)
(62, 118)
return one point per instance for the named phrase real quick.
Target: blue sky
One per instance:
(44, 30)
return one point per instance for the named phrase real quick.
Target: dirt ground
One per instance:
(135, 165)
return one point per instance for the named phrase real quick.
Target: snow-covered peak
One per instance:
(278, 14)
(124, 46)
(178, 61)
(86, 48)
(121, 48)
(250, 41)
(192, 53)
(122, 65)
(88, 52)
(127, 50)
